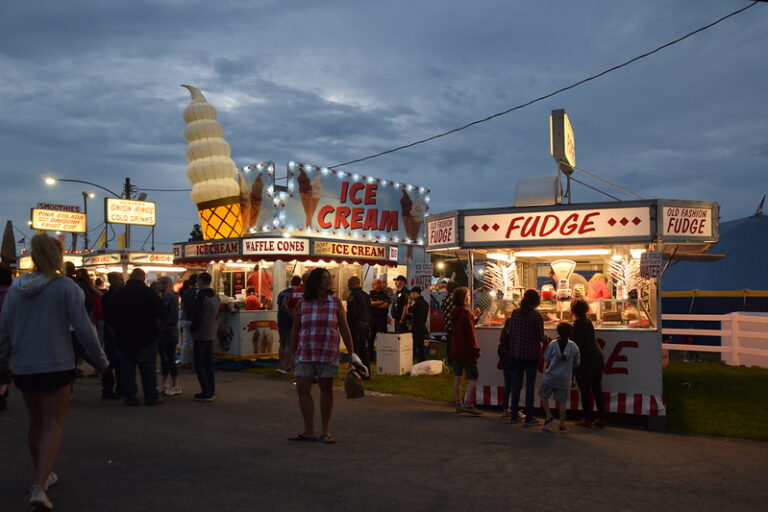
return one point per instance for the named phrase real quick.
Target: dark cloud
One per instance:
(90, 90)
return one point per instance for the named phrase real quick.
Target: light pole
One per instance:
(53, 181)
(86, 197)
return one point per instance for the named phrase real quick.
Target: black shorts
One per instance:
(459, 367)
(44, 382)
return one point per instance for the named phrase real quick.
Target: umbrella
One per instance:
(8, 247)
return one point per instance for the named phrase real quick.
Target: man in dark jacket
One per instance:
(380, 301)
(419, 313)
(133, 314)
(111, 385)
(284, 324)
(204, 330)
(187, 302)
(398, 305)
(359, 320)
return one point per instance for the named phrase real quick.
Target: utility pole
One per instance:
(127, 193)
(85, 211)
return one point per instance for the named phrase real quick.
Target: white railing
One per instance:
(742, 334)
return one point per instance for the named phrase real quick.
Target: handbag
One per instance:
(353, 384)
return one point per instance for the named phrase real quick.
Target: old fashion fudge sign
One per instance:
(686, 222)
(441, 232)
(558, 225)
(269, 246)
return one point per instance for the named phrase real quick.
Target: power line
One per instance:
(546, 96)
(594, 188)
(606, 182)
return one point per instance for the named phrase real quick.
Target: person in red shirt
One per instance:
(252, 301)
(465, 351)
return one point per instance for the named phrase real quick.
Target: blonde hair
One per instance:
(164, 286)
(599, 276)
(47, 255)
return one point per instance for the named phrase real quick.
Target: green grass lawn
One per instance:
(715, 399)
(702, 398)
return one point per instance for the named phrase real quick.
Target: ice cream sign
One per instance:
(339, 204)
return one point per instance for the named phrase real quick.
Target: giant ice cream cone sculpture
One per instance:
(211, 170)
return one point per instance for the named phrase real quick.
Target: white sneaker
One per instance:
(53, 478)
(171, 391)
(39, 500)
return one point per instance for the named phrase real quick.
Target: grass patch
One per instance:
(715, 399)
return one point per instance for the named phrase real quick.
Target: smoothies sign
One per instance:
(58, 217)
(558, 225)
(336, 203)
(125, 211)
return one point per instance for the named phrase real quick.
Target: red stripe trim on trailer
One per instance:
(638, 405)
(621, 403)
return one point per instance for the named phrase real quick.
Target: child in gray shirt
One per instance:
(560, 357)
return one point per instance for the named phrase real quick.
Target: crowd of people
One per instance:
(55, 316)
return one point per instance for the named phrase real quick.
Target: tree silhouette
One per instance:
(196, 235)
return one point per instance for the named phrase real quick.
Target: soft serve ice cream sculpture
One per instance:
(212, 172)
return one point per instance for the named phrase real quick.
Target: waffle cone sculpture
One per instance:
(211, 170)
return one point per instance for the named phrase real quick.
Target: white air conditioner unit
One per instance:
(538, 191)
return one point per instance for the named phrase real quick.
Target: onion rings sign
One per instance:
(125, 211)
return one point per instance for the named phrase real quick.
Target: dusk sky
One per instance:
(91, 90)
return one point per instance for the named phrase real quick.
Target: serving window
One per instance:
(607, 277)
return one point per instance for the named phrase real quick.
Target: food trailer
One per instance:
(155, 264)
(622, 244)
(267, 262)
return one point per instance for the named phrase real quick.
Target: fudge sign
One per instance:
(687, 222)
(441, 232)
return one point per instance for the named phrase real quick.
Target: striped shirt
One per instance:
(318, 339)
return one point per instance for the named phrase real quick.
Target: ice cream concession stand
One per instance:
(261, 229)
(610, 254)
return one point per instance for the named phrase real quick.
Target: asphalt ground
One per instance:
(392, 453)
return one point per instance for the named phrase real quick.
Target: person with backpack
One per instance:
(560, 357)
(284, 324)
(359, 320)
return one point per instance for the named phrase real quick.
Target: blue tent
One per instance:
(738, 282)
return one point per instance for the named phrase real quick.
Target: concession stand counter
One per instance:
(610, 254)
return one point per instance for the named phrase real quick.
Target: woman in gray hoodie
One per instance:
(35, 346)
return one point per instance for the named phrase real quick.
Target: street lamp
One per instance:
(52, 181)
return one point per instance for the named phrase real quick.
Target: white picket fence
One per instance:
(744, 337)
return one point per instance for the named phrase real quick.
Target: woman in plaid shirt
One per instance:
(526, 337)
(320, 318)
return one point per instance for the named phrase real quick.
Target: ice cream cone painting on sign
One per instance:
(211, 170)
(251, 194)
(413, 218)
(310, 192)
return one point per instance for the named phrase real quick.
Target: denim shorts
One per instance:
(561, 395)
(315, 369)
(459, 367)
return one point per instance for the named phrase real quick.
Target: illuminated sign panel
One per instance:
(71, 221)
(124, 211)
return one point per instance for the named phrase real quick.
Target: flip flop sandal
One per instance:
(300, 437)
(327, 439)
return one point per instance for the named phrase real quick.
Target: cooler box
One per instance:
(394, 353)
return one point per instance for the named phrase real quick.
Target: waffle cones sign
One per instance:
(334, 203)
